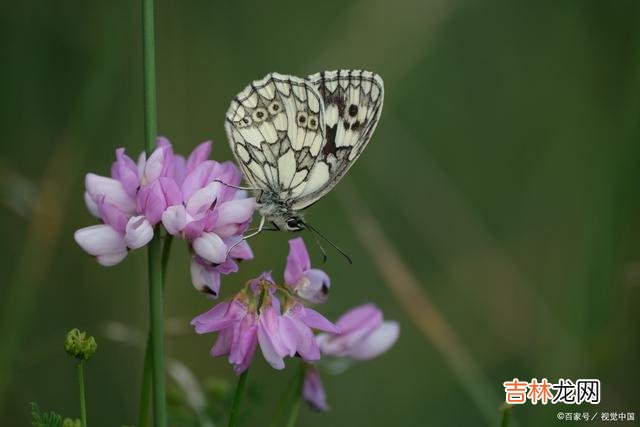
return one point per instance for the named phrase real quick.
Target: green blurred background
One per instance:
(503, 174)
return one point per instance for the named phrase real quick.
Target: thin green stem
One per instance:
(506, 415)
(149, 65)
(83, 403)
(237, 398)
(155, 250)
(145, 390)
(285, 397)
(294, 407)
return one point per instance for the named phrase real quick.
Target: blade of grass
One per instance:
(407, 289)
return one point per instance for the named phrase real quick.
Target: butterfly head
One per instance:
(294, 224)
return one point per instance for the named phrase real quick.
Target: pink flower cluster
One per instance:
(192, 198)
(198, 200)
(275, 318)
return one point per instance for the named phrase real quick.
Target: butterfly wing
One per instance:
(276, 130)
(353, 103)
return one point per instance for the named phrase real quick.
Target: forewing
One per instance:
(353, 103)
(276, 130)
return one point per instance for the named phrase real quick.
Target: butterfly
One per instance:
(295, 138)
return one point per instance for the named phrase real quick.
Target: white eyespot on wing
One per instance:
(274, 125)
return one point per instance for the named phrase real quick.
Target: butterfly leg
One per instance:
(248, 236)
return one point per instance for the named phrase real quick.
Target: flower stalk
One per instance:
(83, 404)
(156, 311)
(237, 398)
(145, 392)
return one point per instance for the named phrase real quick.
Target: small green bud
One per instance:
(68, 422)
(80, 345)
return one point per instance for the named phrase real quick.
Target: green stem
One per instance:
(283, 402)
(155, 250)
(145, 391)
(506, 415)
(294, 408)
(83, 404)
(237, 398)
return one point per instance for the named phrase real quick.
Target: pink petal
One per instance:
(298, 262)
(125, 170)
(198, 155)
(215, 319)
(313, 390)
(315, 320)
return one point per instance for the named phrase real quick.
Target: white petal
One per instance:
(138, 232)
(202, 200)
(174, 219)
(112, 190)
(111, 259)
(211, 247)
(100, 240)
(91, 205)
(377, 342)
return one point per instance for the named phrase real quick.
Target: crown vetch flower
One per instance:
(313, 390)
(253, 317)
(212, 216)
(363, 334)
(310, 284)
(183, 194)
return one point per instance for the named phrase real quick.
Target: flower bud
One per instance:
(68, 422)
(80, 345)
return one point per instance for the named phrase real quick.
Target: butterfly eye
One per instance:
(259, 115)
(274, 108)
(246, 121)
(313, 122)
(301, 118)
(293, 224)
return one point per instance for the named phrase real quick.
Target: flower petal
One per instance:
(314, 286)
(100, 240)
(109, 260)
(218, 318)
(125, 170)
(198, 155)
(174, 219)
(298, 262)
(315, 320)
(313, 390)
(91, 204)
(210, 247)
(205, 279)
(377, 342)
(113, 191)
(138, 232)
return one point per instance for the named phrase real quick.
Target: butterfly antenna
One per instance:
(347, 257)
(324, 253)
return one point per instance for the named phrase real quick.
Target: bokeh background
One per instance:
(495, 213)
